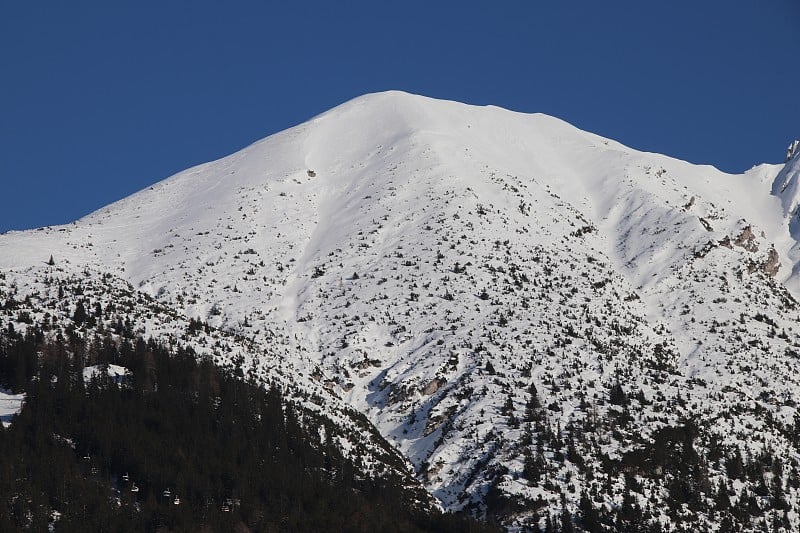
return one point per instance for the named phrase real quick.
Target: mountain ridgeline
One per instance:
(433, 304)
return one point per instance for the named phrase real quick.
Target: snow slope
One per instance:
(432, 264)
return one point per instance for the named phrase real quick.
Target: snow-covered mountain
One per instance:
(542, 321)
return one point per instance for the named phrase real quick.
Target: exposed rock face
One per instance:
(786, 186)
(747, 240)
(433, 386)
(772, 264)
(792, 150)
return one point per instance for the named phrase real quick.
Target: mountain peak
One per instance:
(528, 312)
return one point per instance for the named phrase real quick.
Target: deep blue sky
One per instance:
(98, 101)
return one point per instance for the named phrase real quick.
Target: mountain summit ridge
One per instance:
(519, 307)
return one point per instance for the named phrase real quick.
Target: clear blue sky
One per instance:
(98, 101)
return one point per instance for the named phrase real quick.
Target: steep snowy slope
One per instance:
(521, 307)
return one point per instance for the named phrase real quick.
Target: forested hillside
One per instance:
(177, 445)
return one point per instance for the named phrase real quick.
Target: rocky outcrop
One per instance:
(747, 240)
(433, 386)
(792, 150)
(772, 264)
